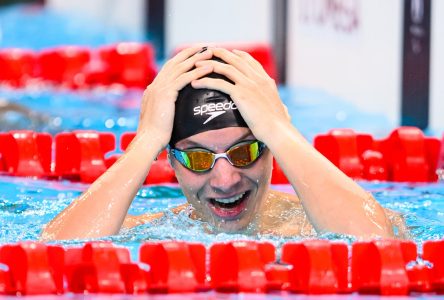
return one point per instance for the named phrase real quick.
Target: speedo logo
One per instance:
(213, 110)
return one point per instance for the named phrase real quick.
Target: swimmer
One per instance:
(14, 116)
(221, 118)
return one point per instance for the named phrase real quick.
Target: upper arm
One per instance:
(284, 215)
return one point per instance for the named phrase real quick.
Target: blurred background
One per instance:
(370, 65)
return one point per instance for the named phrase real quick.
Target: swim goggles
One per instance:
(201, 160)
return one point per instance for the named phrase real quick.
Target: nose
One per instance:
(224, 176)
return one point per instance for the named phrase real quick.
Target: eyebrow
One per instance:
(193, 144)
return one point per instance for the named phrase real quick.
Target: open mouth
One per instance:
(230, 207)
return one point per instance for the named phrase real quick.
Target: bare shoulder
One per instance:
(283, 214)
(274, 194)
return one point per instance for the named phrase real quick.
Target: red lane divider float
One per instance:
(82, 154)
(128, 64)
(318, 267)
(175, 267)
(17, 66)
(103, 268)
(239, 266)
(379, 267)
(440, 165)
(410, 155)
(278, 175)
(343, 148)
(64, 65)
(26, 153)
(32, 268)
(405, 155)
(433, 252)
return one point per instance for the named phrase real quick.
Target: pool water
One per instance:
(26, 205)
(55, 110)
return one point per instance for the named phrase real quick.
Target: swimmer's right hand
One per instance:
(158, 103)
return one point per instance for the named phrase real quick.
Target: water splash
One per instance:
(26, 205)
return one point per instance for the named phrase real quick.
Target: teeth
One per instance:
(229, 200)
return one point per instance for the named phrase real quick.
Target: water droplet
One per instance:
(121, 121)
(109, 123)
(57, 121)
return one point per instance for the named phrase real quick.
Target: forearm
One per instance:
(133, 221)
(332, 201)
(101, 210)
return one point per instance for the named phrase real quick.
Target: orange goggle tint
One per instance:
(201, 160)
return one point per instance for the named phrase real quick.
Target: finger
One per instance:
(234, 60)
(224, 69)
(172, 62)
(189, 63)
(214, 84)
(173, 68)
(188, 77)
(185, 53)
(250, 59)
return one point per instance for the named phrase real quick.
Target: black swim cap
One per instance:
(199, 110)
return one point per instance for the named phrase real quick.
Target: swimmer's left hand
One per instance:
(254, 92)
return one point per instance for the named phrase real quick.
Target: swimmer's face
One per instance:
(226, 196)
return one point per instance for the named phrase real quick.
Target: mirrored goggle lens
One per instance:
(197, 160)
(243, 155)
(201, 161)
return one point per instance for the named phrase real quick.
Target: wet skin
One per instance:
(205, 191)
(259, 210)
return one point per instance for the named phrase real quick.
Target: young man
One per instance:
(222, 133)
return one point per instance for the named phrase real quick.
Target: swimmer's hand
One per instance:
(158, 103)
(254, 92)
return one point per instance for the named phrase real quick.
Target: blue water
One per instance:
(57, 110)
(36, 27)
(28, 204)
